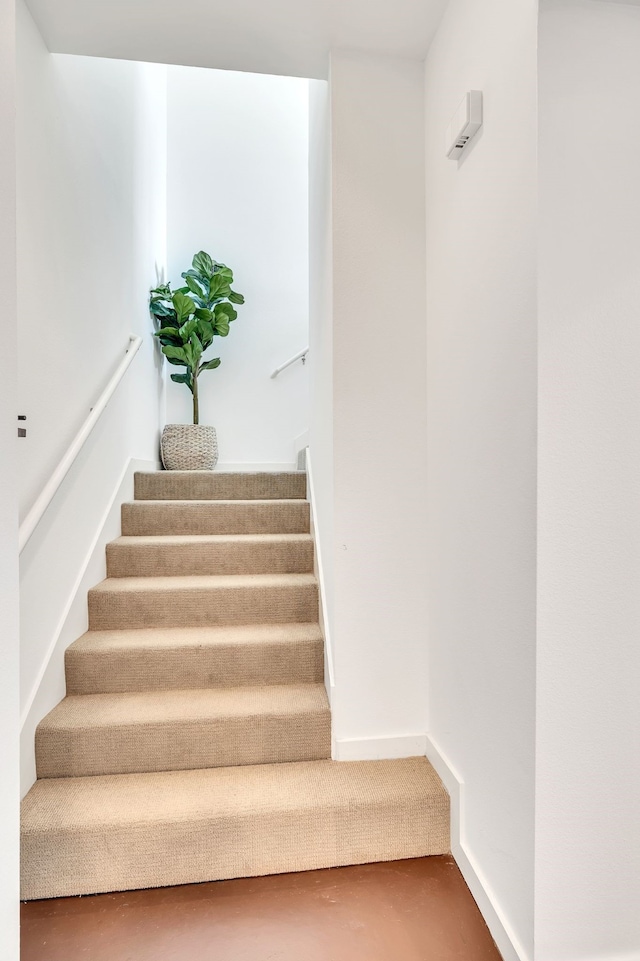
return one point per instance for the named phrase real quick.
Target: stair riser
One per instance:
(301, 662)
(153, 560)
(215, 518)
(143, 856)
(195, 607)
(201, 485)
(181, 746)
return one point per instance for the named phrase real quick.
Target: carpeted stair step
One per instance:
(199, 601)
(218, 485)
(167, 555)
(85, 835)
(144, 518)
(156, 659)
(194, 741)
(96, 734)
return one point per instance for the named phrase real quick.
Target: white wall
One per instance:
(90, 229)
(379, 374)
(238, 188)
(588, 710)
(320, 459)
(9, 661)
(87, 215)
(481, 430)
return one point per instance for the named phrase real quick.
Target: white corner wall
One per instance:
(379, 393)
(9, 662)
(320, 457)
(481, 432)
(90, 234)
(238, 188)
(588, 709)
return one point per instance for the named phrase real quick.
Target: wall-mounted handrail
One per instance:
(301, 355)
(48, 492)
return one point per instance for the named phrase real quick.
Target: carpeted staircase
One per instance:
(194, 743)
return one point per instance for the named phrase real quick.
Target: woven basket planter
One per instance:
(189, 447)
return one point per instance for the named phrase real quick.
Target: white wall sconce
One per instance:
(465, 124)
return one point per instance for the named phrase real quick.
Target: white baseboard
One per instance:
(244, 467)
(377, 748)
(412, 745)
(508, 944)
(633, 956)
(300, 446)
(49, 686)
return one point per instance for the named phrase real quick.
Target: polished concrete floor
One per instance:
(418, 910)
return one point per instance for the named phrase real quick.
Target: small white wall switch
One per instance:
(465, 123)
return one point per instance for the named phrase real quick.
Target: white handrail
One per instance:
(36, 513)
(301, 355)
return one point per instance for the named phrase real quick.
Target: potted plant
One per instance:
(188, 319)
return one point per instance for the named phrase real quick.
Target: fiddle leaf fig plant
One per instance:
(190, 317)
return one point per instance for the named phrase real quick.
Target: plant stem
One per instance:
(196, 412)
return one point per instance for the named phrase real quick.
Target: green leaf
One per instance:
(168, 332)
(204, 281)
(159, 308)
(183, 305)
(203, 313)
(223, 271)
(168, 320)
(196, 349)
(211, 364)
(203, 264)
(225, 310)
(236, 298)
(222, 326)
(218, 287)
(205, 333)
(187, 329)
(183, 379)
(176, 354)
(188, 352)
(162, 292)
(193, 285)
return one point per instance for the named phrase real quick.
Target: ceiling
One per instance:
(291, 37)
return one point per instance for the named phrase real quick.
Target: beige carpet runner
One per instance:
(194, 743)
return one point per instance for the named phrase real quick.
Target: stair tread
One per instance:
(174, 658)
(232, 516)
(63, 805)
(201, 581)
(232, 502)
(182, 554)
(223, 539)
(211, 484)
(171, 638)
(165, 708)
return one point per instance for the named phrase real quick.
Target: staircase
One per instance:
(194, 743)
